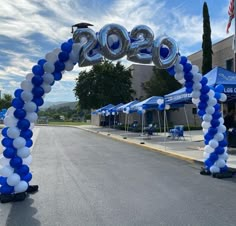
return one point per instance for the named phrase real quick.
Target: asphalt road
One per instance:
(87, 179)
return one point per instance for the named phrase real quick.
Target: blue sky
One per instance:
(29, 29)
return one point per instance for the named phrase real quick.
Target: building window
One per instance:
(230, 64)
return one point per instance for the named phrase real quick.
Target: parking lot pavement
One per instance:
(190, 147)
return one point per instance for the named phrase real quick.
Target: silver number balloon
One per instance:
(144, 38)
(123, 37)
(173, 52)
(88, 39)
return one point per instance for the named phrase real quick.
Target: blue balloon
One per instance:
(215, 122)
(189, 90)
(16, 162)
(4, 131)
(202, 105)
(9, 152)
(38, 70)
(223, 143)
(23, 170)
(29, 143)
(187, 67)
(59, 66)
(27, 134)
(27, 177)
(189, 84)
(17, 103)
(38, 101)
(216, 115)
(208, 163)
(3, 180)
(20, 113)
(213, 157)
(38, 91)
(217, 107)
(183, 60)
(7, 142)
(67, 46)
(204, 81)
(224, 169)
(217, 95)
(57, 76)
(171, 71)
(219, 88)
(6, 189)
(219, 150)
(205, 89)
(18, 92)
(23, 124)
(41, 62)
(201, 113)
(164, 52)
(37, 80)
(70, 41)
(204, 97)
(63, 56)
(188, 76)
(212, 130)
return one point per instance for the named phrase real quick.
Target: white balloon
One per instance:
(51, 57)
(23, 152)
(31, 126)
(219, 137)
(221, 128)
(29, 76)
(32, 116)
(56, 51)
(207, 117)
(206, 125)
(48, 78)
(208, 149)
(4, 161)
(46, 87)
(167, 106)
(210, 110)
(220, 163)
(224, 156)
(195, 101)
(195, 69)
(30, 107)
(27, 96)
(13, 132)
(69, 66)
(13, 179)
(10, 121)
(196, 94)
(178, 68)
(49, 67)
(19, 142)
(26, 85)
(73, 57)
(221, 120)
(197, 77)
(179, 76)
(212, 102)
(223, 97)
(211, 93)
(214, 169)
(6, 171)
(10, 111)
(214, 143)
(205, 131)
(206, 155)
(197, 86)
(21, 187)
(28, 160)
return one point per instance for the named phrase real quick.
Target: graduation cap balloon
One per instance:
(80, 25)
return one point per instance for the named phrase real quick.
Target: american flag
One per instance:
(231, 14)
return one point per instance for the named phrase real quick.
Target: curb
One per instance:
(146, 146)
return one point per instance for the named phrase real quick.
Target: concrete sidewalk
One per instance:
(190, 148)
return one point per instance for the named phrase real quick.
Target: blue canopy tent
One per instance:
(149, 103)
(113, 111)
(105, 108)
(126, 108)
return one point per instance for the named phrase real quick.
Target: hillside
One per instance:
(57, 105)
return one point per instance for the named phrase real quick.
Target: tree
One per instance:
(206, 42)
(104, 84)
(161, 83)
(5, 102)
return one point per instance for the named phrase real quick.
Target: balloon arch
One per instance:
(86, 47)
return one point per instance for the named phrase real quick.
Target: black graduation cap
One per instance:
(80, 25)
